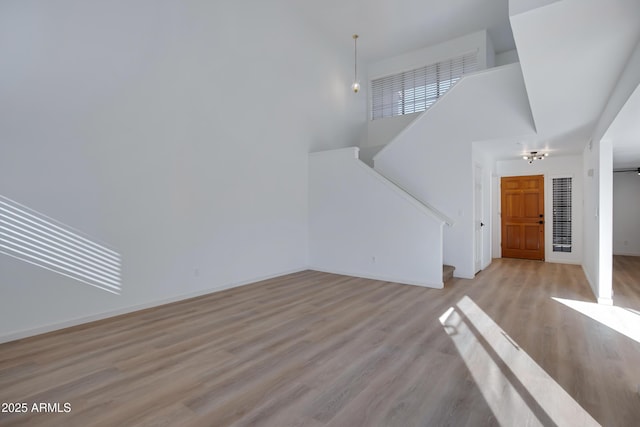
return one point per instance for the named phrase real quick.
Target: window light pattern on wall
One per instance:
(561, 214)
(39, 240)
(417, 90)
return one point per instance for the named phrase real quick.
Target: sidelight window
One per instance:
(562, 215)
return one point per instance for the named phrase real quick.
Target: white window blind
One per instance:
(562, 214)
(416, 90)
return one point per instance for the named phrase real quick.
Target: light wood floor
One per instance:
(314, 349)
(626, 281)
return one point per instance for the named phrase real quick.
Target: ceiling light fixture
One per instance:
(356, 84)
(534, 155)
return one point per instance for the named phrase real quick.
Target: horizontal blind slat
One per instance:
(416, 90)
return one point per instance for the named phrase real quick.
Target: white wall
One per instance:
(490, 53)
(626, 220)
(432, 158)
(598, 167)
(382, 131)
(362, 225)
(597, 263)
(507, 57)
(432, 54)
(368, 153)
(177, 132)
(517, 7)
(551, 167)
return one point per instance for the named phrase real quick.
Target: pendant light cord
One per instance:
(355, 58)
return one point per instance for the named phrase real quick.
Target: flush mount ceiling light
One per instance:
(534, 155)
(356, 84)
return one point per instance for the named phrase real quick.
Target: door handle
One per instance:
(541, 215)
(540, 222)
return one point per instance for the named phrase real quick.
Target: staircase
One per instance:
(447, 273)
(361, 224)
(433, 157)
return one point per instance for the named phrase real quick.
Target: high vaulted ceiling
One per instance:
(571, 51)
(388, 28)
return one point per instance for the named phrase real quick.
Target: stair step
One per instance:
(447, 273)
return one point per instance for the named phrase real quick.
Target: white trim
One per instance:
(563, 261)
(430, 62)
(605, 301)
(339, 152)
(118, 312)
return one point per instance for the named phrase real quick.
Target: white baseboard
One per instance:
(627, 253)
(382, 278)
(605, 301)
(563, 261)
(112, 313)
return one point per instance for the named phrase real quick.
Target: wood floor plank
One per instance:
(315, 349)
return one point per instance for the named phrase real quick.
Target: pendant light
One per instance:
(356, 84)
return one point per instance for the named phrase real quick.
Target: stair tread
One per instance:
(447, 272)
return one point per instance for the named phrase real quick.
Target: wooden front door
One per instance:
(523, 217)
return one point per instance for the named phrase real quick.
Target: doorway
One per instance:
(522, 225)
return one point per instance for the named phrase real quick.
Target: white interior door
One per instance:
(478, 222)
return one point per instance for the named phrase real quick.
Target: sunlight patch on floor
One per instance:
(623, 320)
(516, 388)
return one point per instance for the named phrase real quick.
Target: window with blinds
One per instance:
(416, 90)
(562, 215)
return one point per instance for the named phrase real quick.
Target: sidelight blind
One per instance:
(562, 214)
(417, 90)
